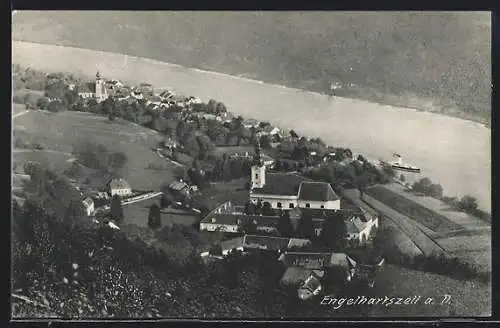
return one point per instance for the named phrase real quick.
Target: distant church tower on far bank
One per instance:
(100, 89)
(95, 89)
(258, 179)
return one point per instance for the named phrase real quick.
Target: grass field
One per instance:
(439, 207)
(417, 212)
(137, 214)
(469, 298)
(56, 161)
(221, 192)
(70, 128)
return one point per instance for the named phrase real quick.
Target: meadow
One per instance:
(62, 131)
(137, 214)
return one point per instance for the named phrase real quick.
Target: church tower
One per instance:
(100, 91)
(258, 178)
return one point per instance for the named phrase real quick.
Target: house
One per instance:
(119, 187)
(226, 247)
(359, 224)
(258, 242)
(317, 261)
(278, 244)
(251, 123)
(269, 130)
(180, 187)
(287, 191)
(359, 228)
(88, 204)
(170, 143)
(310, 288)
(306, 269)
(137, 94)
(95, 89)
(232, 223)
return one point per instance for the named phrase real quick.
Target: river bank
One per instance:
(452, 151)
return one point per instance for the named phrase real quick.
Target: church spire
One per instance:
(257, 159)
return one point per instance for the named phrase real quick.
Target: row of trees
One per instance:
(98, 157)
(467, 203)
(425, 186)
(357, 174)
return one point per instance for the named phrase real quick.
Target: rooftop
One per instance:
(316, 261)
(317, 191)
(236, 219)
(287, 184)
(119, 184)
(266, 242)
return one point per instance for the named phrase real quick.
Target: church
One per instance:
(95, 89)
(289, 190)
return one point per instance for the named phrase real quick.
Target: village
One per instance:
(306, 204)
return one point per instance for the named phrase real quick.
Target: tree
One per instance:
(285, 226)
(333, 233)
(248, 226)
(265, 141)
(166, 200)
(468, 203)
(55, 106)
(435, 190)
(42, 102)
(116, 208)
(258, 207)
(305, 227)
(118, 160)
(74, 213)
(422, 185)
(154, 217)
(249, 208)
(267, 210)
(294, 134)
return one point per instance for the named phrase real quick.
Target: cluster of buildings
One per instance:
(117, 186)
(297, 195)
(101, 89)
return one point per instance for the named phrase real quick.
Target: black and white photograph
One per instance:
(251, 165)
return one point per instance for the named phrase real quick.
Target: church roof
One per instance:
(286, 184)
(317, 191)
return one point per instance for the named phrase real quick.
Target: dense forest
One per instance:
(409, 59)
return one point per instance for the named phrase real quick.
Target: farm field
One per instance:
(455, 243)
(439, 207)
(70, 128)
(137, 214)
(417, 212)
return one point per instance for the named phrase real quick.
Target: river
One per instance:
(451, 151)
